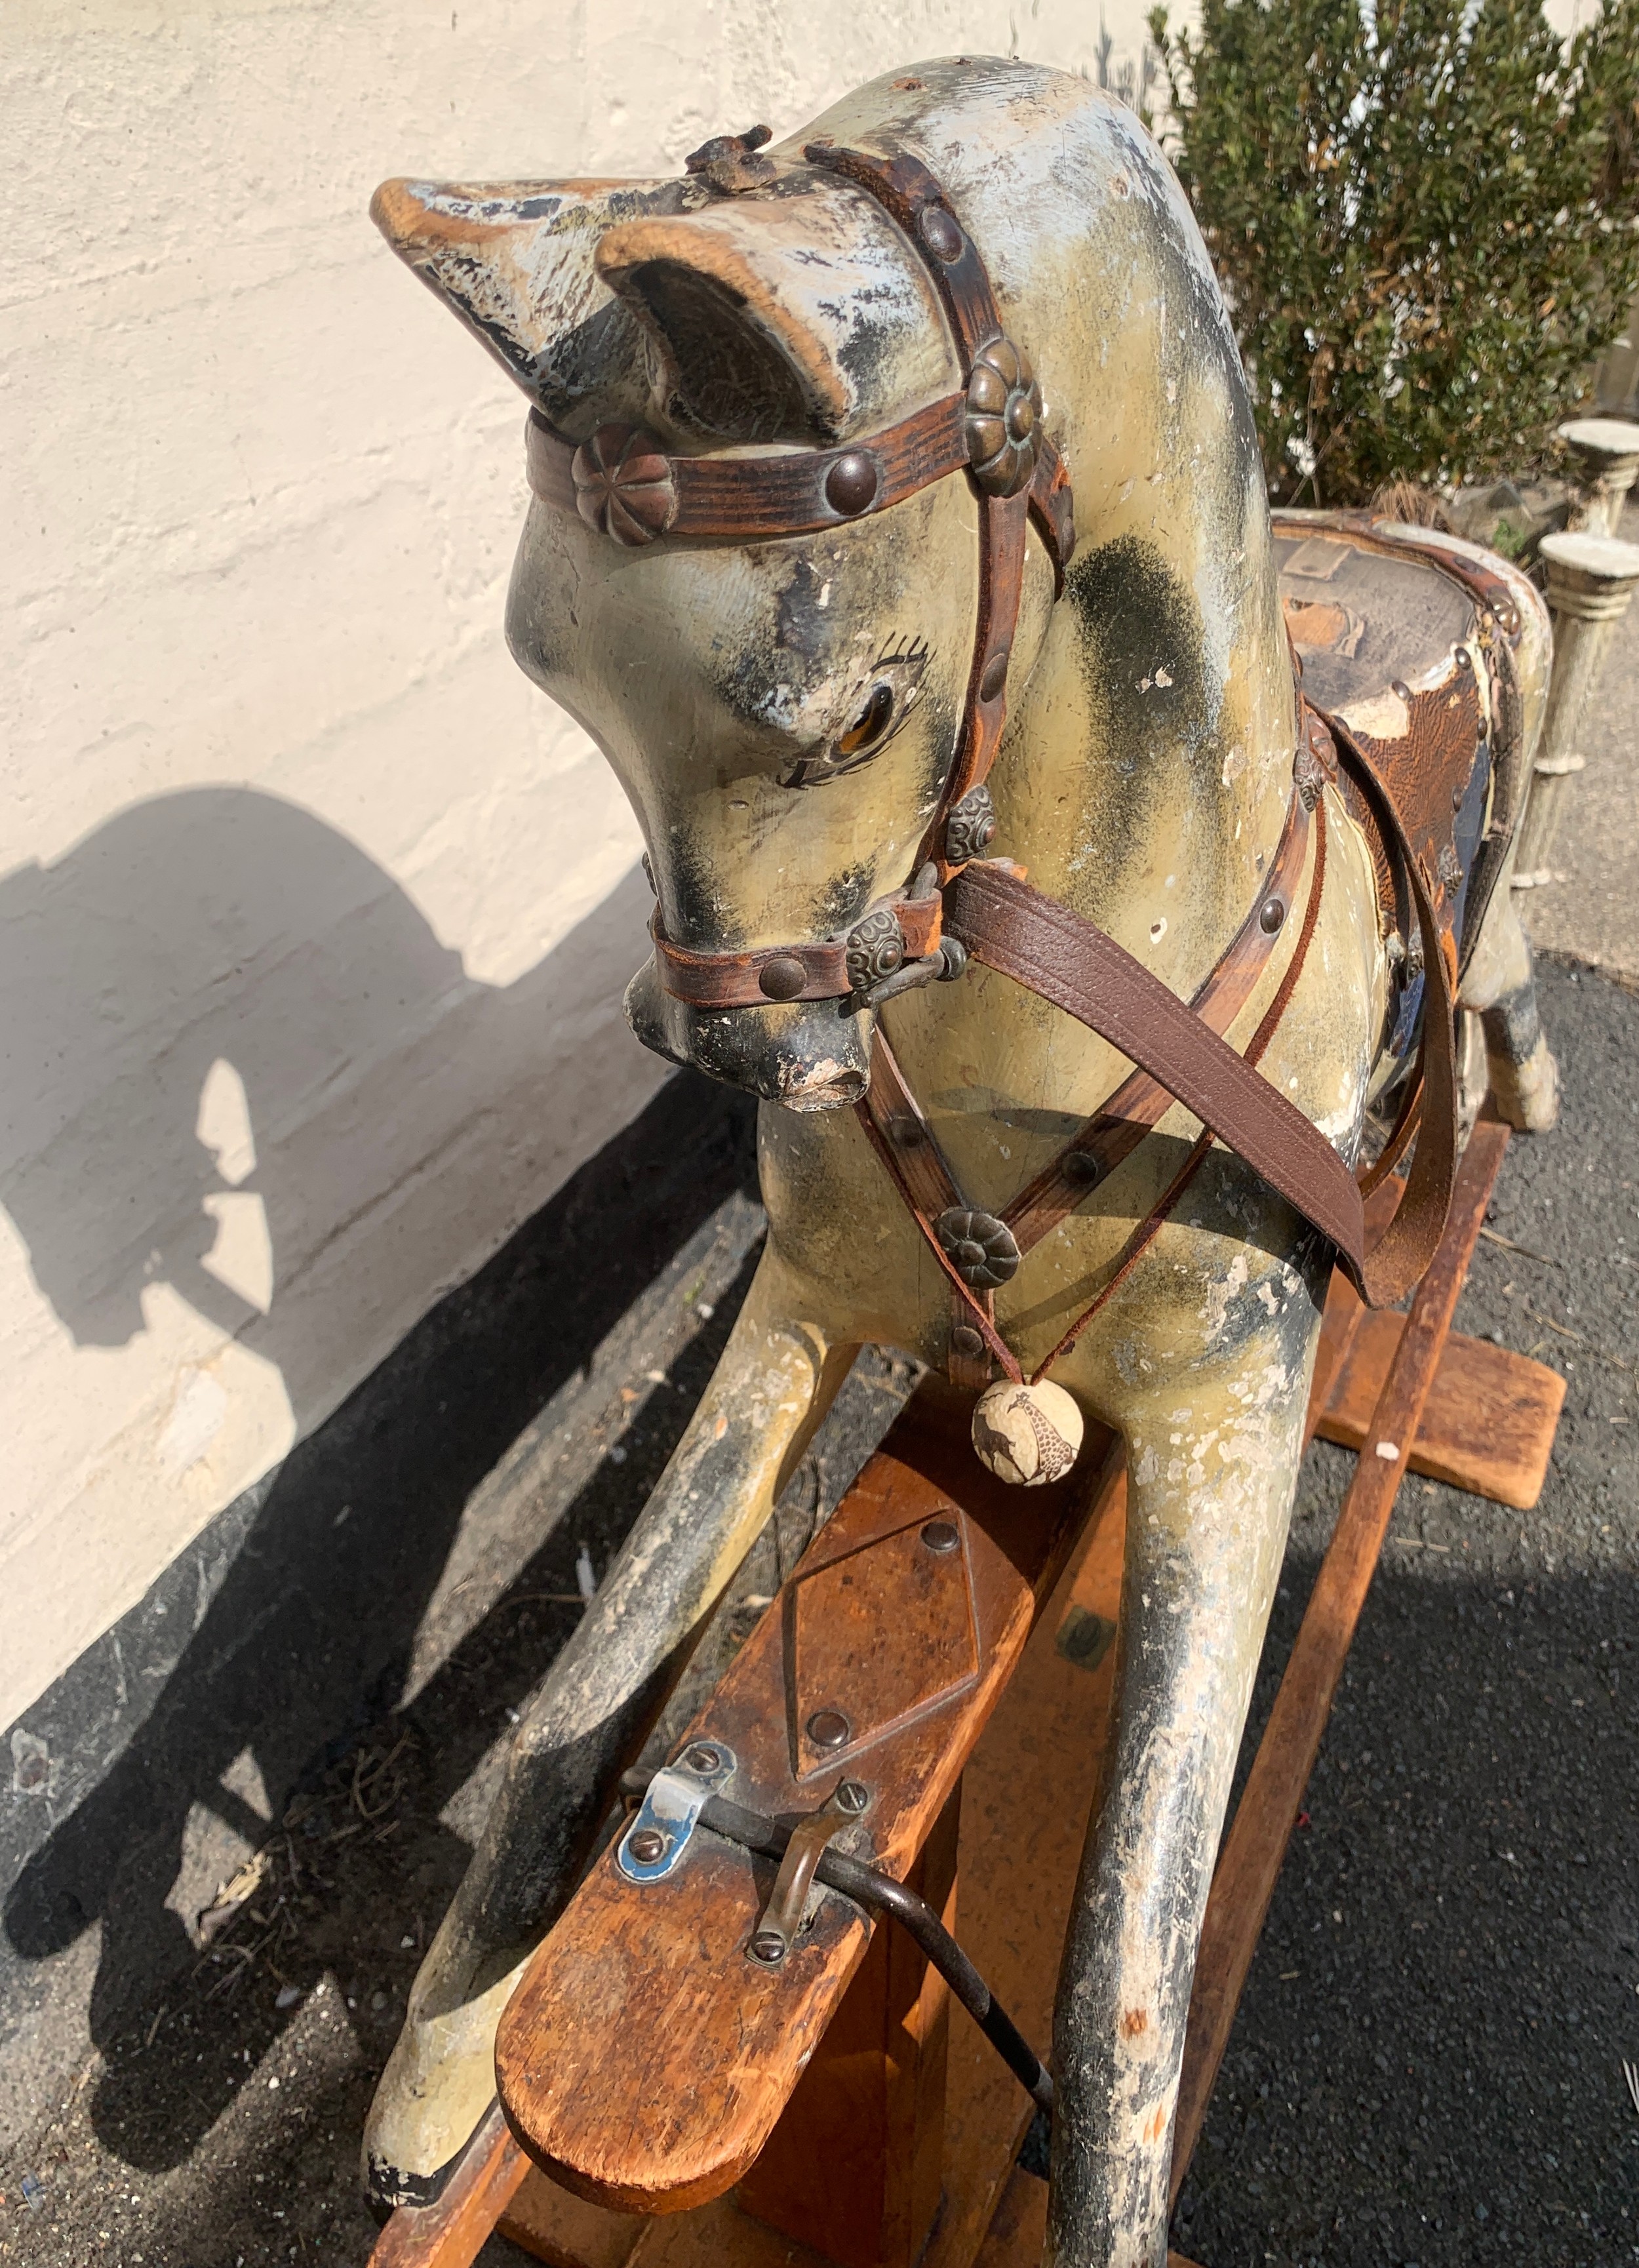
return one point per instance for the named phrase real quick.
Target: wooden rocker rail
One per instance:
(646, 2061)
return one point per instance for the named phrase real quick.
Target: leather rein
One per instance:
(622, 482)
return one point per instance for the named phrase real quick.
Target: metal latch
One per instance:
(654, 1843)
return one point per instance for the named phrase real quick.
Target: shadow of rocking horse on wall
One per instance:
(311, 965)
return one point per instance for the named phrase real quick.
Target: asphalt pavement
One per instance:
(1428, 2066)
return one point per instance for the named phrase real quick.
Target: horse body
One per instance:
(782, 715)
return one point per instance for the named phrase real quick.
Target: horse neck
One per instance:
(1145, 773)
(1151, 800)
(1148, 769)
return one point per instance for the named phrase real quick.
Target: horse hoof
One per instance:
(436, 2089)
(1027, 1434)
(1528, 1093)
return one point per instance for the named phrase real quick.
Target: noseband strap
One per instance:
(904, 929)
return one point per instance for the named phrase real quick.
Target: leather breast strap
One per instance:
(1120, 1124)
(1072, 963)
(904, 1142)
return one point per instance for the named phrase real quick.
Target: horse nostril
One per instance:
(829, 1090)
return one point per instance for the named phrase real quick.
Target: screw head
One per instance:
(828, 1728)
(782, 978)
(1080, 1166)
(647, 1846)
(966, 1340)
(906, 1132)
(852, 1796)
(702, 1759)
(768, 1946)
(1271, 914)
(941, 1535)
(851, 483)
(995, 675)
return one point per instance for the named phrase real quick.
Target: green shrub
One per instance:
(1426, 218)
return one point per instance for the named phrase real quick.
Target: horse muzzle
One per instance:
(806, 1055)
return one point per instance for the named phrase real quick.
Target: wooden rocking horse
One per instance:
(1098, 934)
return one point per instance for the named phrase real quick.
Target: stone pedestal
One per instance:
(1604, 452)
(1591, 581)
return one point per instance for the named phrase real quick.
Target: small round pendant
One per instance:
(1027, 1434)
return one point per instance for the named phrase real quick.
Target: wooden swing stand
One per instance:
(671, 2103)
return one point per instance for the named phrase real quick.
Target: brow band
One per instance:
(622, 481)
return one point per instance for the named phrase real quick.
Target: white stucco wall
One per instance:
(313, 917)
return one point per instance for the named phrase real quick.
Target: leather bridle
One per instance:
(623, 483)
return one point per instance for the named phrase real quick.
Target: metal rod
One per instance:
(782, 1917)
(880, 1893)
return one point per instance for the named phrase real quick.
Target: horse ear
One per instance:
(515, 263)
(802, 316)
(799, 317)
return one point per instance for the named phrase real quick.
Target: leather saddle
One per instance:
(1408, 643)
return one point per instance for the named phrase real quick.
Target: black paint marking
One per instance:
(1135, 618)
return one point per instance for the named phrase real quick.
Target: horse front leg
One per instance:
(774, 1382)
(1212, 1469)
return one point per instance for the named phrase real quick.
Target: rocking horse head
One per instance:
(800, 451)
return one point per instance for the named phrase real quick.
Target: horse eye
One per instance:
(870, 723)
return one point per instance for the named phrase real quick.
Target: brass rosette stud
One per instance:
(623, 484)
(970, 829)
(1003, 423)
(876, 948)
(979, 1248)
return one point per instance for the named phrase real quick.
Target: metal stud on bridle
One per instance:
(1003, 423)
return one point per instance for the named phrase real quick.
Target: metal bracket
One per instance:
(653, 1845)
(945, 963)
